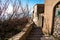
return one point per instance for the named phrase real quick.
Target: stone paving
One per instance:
(36, 34)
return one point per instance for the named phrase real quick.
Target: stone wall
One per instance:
(48, 16)
(41, 20)
(23, 34)
(37, 18)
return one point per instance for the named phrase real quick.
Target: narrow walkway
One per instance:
(35, 34)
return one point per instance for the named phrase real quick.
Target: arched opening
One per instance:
(56, 18)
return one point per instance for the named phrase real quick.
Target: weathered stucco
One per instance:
(37, 18)
(48, 15)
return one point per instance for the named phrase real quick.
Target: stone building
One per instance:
(51, 13)
(37, 10)
(52, 17)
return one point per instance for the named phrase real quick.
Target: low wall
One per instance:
(22, 35)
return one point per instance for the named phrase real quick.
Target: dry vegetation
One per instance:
(10, 27)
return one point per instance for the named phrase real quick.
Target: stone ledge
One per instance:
(22, 35)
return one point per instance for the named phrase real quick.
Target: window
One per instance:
(59, 13)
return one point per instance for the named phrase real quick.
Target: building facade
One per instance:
(38, 9)
(52, 17)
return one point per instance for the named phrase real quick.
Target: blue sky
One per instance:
(31, 2)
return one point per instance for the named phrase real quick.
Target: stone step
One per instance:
(35, 34)
(48, 38)
(33, 39)
(31, 36)
(42, 38)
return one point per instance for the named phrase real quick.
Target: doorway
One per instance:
(56, 20)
